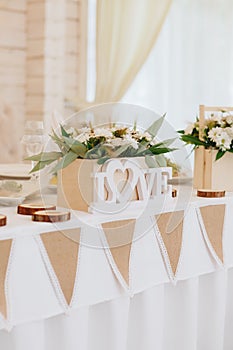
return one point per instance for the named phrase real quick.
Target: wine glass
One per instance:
(33, 138)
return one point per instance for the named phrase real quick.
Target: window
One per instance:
(191, 63)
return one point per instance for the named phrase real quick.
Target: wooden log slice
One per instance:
(210, 193)
(51, 216)
(30, 209)
(3, 220)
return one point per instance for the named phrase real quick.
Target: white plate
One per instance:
(15, 170)
(11, 201)
(29, 189)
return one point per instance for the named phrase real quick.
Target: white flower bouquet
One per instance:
(103, 143)
(216, 134)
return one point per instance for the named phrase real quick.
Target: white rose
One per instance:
(82, 138)
(215, 133)
(223, 141)
(103, 132)
(147, 136)
(130, 141)
(133, 143)
(118, 141)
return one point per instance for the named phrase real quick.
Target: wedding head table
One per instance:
(69, 286)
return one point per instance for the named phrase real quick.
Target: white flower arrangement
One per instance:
(103, 143)
(217, 133)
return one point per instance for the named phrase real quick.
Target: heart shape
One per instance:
(121, 179)
(129, 173)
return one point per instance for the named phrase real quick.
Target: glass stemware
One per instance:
(33, 138)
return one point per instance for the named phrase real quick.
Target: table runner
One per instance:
(61, 258)
(103, 272)
(5, 249)
(119, 237)
(212, 222)
(170, 232)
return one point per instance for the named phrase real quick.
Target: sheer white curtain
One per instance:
(126, 31)
(191, 62)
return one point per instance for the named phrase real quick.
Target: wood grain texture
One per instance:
(3, 220)
(30, 209)
(210, 193)
(50, 216)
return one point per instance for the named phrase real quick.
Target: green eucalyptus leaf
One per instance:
(119, 151)
(76, 146)
(91, 154)
(154, 128)
(97, 152)
(45, 156)
(220, 154)
(142, 150)
(168, 142)
(65, 161)
(160, 150)
(102, 160)
(143, 153)
(64, 132)
(40, 165)
(151, 162)
(192, 140)
(54, 136)
(161, 160)
(164, 143)
(59, 141)
(37, 167)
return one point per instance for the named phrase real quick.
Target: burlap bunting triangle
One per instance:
(119, 235)
(170, 226)
(5, 249)
(63, 256)
(213, 220)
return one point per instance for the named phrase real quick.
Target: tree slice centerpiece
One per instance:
(210, 193)
(30, 209)
(51, 216)
(174, 193)
(3, 220)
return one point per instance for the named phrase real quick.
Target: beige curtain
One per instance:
(126, 32)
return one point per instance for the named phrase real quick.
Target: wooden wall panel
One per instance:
(15, 5)
(12, 75)
(40, 55)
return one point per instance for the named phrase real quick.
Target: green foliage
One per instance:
(154, 128)
(65, 161)
(100, 148)
(216, 132)
(193, 140)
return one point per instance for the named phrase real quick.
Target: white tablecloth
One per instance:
(192, 311)
(196, 314)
